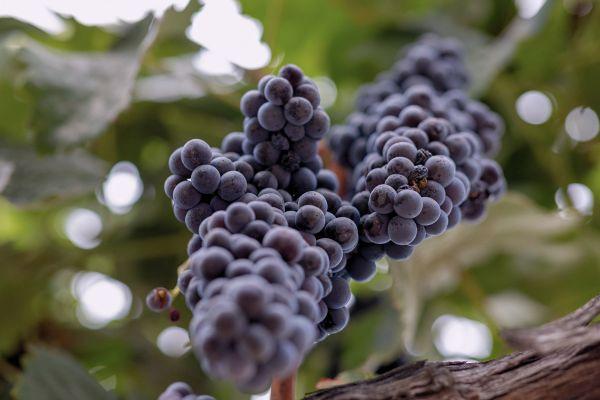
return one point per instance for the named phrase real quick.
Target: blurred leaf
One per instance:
(513, 226)
(52, 375)
(77, 95)
(26, 178)
(180, 80)
(485, 63)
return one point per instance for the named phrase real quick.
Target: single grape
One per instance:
(194, 153)
(278, 91)
(376, 228)
(402, 231)
(360, 269)
(232, 142)
(254, 132)
(340, 294)
(271, 117)
(319, 124)
(258, 343)
(398, 252)
(251, 102)
(435, 191)
(222, 164)
(441, 169)
(375, 178)
(210, 263)
(195, 216)
(292, 73)
(439, 226)
(298, 111)
(206, 179)
(310, 93)
(381, 199)
(159, 299)
(343, 231)
(429, 213)
(176, 166)
(408, 203)
(185, 196)
(232, 186)
(371, 251)
(286, 241)
(310, 219)
(303, 180)
(170, 183)
(336, 320)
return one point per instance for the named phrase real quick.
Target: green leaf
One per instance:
(27, 178)
(53, 375)
(77, 95)
(487, 61)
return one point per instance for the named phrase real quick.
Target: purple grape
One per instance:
(429, 213)
(402, 230)
(381, 199)
(185, 196)
(176, 166)
(298, 111)
(278, 91)
(340, 294)
(251, 102)
(206, 179)
(159, 299)
(232, 186)
(194, 153)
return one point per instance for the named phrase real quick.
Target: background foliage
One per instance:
(70, 108)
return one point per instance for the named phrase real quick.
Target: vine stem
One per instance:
(283, 389)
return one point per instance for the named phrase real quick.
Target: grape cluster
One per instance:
(421, 100)
(204, 180)
(263, 286)
(434, 62)
(274, 246)
(420, 153)
(266, 274)
(182, 391)
(283, 123)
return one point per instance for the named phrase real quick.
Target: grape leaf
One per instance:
(488, 60)
(27, 178)
(77, 95)
(53, 375)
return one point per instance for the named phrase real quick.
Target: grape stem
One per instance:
(283, 389)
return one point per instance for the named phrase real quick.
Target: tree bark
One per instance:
(559, 360)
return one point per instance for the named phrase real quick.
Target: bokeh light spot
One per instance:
(461, 337)
(221, 28)
(577, 197)
(534, 107)
(101, 299)
(529, 8)
(173, 341)
(582, 124)
(122, 188)
(82, 227)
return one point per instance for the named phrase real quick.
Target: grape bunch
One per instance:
(263, 289)
(433, 113)
(420, 154)
(204, 180)
(274, 246)
(434, 63)
(265, 278)
(182, 391)
(282, 126)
